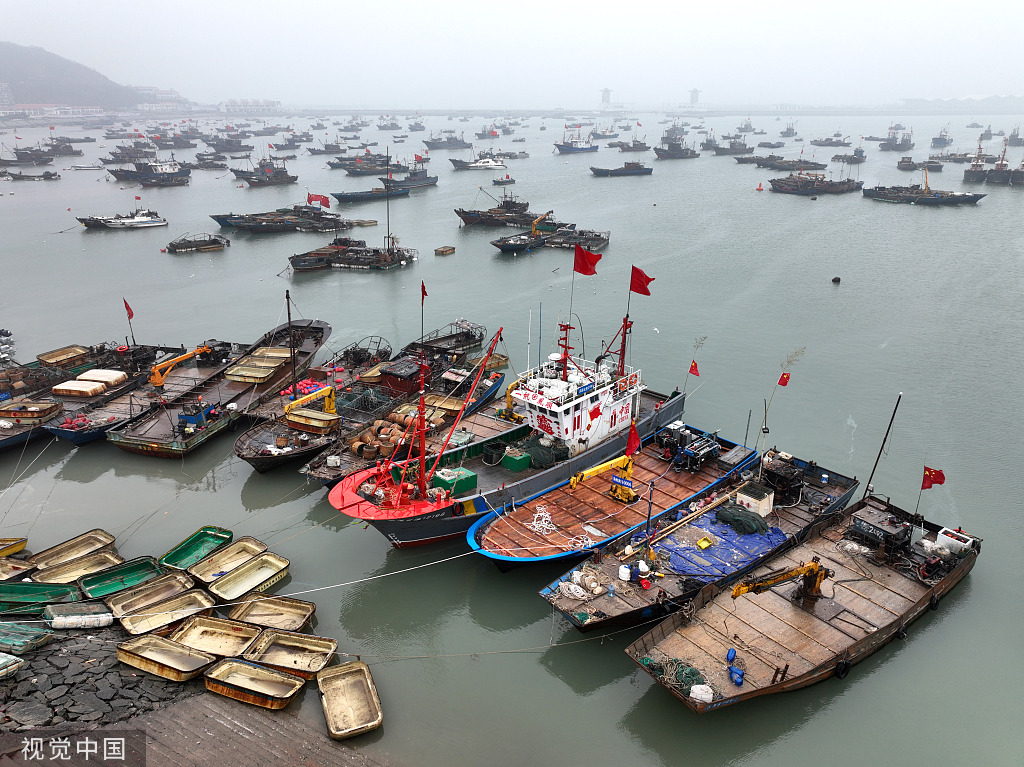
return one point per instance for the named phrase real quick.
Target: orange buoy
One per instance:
(759, 187)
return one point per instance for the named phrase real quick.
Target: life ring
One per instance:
(122, 349)
(842, 669)
(632, 380)
(622, 386)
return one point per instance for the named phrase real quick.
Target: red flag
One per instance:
(585, 261)
(137, 197)
(693, 369)
(52, 128)
(156, 137)
(633, 441)
(639, 282)
(595, 412)
(128, 308)
(419, 157)
(318, 198)
(638, 124)
(784, 379)
(932, 477)
(423, 292)
(18, 137)
(270, 146)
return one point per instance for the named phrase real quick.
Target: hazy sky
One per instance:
(526, 53)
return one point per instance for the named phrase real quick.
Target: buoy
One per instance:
(835, 280)
(760, 188)
(814, 198)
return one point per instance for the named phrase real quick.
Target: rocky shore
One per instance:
(77, 679)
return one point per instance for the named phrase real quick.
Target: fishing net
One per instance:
(543, 457)
(741, 520)
(674, 672)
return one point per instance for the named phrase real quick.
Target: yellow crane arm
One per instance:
(533, 226)
(813, 573)
(623, 462)
(159, 372)
(327, 394)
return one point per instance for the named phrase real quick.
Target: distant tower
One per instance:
(606, 96)
(694, 95)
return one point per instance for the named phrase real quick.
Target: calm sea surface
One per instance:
(471, 665)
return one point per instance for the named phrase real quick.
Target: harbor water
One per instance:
(470, 663)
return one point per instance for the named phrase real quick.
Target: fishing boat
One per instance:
(151, 172)
(162, 657)
(158, 589)
(724, 533)
(813, 184)
(574, 143)
(46, 175)
(415, 179)
(596, 505)
(216, 636)
(943, 139)
(503, 181)
(140, 218)
(675, 150)
(635, 145)
(896, 142)
(268, 172)
(915, 194)
(830, 141)
(237, 386)
(583, 408)
(11, 546)
(79, 546)
(349, 698)
(21, 419)
(198, 243)
(1000, 172)
(886, 567)
(196, 547)
(519, 243)
(480, 163)
(629, 169)
(252, 683)
(856, 158)
(347, 253)
(272, 612)
(447, 140)
(736, 146)
(378, 193)
(1017, 175)
(155, 375)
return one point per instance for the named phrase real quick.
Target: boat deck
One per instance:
(784, 643)
(687, 566)
(563, 519)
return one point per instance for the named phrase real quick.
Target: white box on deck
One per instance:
(108, 377)
(757, 498)
(952, 540)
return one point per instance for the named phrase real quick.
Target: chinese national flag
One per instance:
(128, 309)
(585, 261)
(784, 379)
(633, 441)
(419, 157)
(693, 369)
(270, 146)
(639, 282)
(638, 124)
(137, 197)
(423, 292)
(52, 128)
(932, 477)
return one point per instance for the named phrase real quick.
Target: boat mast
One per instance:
(421, 429)
(867, 488)
(387, 200)
(291, 343)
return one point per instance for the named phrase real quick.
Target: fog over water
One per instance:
(530, 54)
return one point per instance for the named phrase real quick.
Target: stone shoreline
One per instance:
(77, 679)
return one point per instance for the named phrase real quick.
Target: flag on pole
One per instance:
(585, 261)
(633, 441)
(423, 292)
(784, 379)
(932, 477)
(639, 282)
(638, 124)
(693, 369)
(127, 308)
(137, 197)
(322, 199)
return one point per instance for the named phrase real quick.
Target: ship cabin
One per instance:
(579, 402)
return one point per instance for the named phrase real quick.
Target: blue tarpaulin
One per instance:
(730, 552)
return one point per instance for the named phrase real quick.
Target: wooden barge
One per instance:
(862, 579)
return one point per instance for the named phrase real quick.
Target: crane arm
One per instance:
(623, 462)
(327, 394)
(813, 573)
(533, 226)
(159, 372)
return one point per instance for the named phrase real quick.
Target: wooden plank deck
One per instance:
(570, 511)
